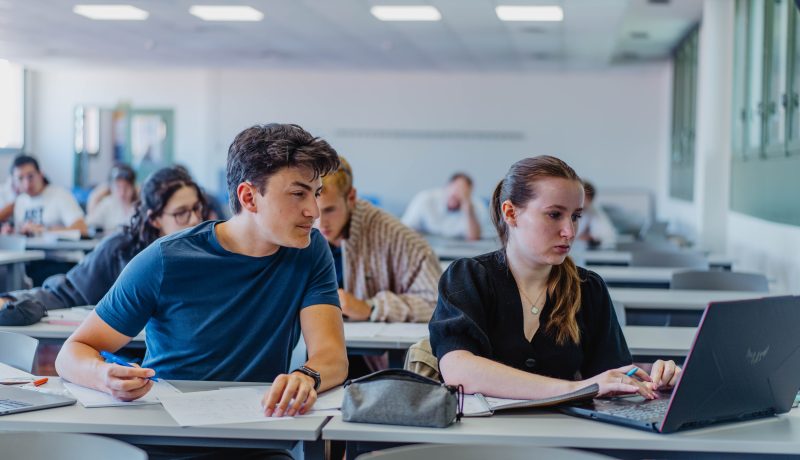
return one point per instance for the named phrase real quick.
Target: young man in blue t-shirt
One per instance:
(227, 300)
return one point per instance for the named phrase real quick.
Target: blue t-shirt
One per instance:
(211, 314)
(338, 264)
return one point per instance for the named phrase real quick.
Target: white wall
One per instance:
(58, 91)
(595, 120)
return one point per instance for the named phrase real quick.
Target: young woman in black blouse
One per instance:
(524, 321)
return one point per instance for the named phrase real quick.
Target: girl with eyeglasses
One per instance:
(170, 201)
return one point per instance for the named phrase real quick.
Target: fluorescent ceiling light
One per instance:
(529, 13)
(406, 13)
(111, 12)
(226, 13)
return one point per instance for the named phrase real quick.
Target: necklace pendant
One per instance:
(535, 310)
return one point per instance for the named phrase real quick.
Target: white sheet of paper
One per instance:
(8, 372)
(77, 314)
(404, 330)
(236, 405)
(330, 400)
(93, 398)
(215, 407)
(476, 405)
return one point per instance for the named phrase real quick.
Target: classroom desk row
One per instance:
(449, 250)
(150, 424)
(14, 261)
(631, 277)
(395, 338)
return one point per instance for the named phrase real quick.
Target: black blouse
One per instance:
(479, 311)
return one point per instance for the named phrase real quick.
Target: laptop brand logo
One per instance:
(755, 357)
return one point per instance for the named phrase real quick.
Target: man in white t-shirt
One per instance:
(451, 212)
(41, 206)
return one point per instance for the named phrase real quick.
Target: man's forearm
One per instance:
(332, 368)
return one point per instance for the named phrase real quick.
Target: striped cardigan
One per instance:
(389, 266)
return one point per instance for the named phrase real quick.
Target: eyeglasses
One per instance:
(183, 217)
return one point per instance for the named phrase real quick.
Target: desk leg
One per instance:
(16, 276)
(314, 450)
(397, 359)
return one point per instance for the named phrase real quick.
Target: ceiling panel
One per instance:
(342, 34)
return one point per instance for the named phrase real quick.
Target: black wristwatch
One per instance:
(311, 373)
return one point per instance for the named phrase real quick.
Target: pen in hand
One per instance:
(112, 358)
(632, 373)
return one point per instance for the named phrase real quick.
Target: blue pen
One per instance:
(112, 358)
(632, 371)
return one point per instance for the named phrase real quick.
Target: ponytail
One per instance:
(497, 214)
(564, 285)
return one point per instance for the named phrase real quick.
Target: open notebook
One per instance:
(478, 405)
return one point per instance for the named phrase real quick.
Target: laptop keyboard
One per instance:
(653, 410)
(10, 404)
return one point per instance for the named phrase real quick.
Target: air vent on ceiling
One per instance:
(660, 2)
(543, 56)
(639, 35)
(534, 30)
(434, 134)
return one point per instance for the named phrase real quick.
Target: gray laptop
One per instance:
(13, 400)
(744, 364)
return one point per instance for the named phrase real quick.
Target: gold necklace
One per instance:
(534, 309)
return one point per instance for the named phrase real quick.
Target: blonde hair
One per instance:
(563, 284)
(342, 178)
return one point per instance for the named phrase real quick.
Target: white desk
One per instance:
(632, 277)
(15, 260)
(394, 338)
(49, 244)
(775, 435)
(659, 342)
(677, 299)
(451, 249)
(151, 424)
(643, 341)
(59, 325)
(623, 258)
(647, 277)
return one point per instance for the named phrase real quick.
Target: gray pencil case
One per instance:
(400, 397)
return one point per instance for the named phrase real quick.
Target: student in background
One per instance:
(8, 194)
(116, 208)
(41, 206)
(228, 300)
(524, 322)
(170, 202)
(451, 212)
(385, 271)
(595, 227)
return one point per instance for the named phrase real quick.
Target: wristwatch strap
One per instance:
(311, 373)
